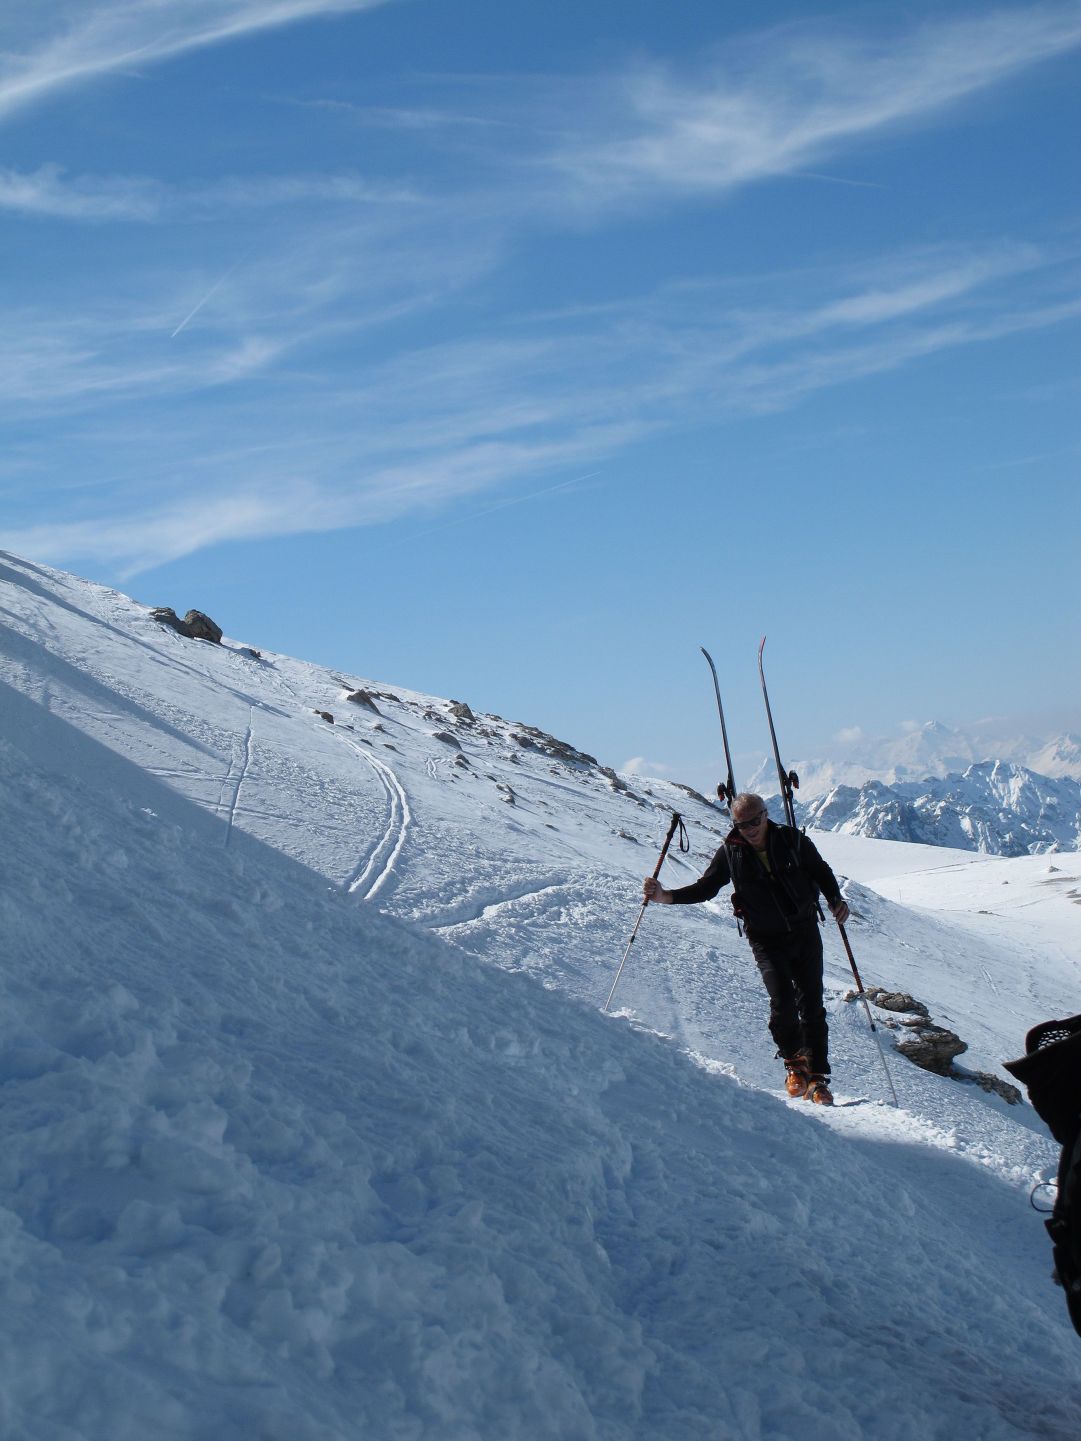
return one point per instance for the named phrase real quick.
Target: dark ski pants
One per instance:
(791, 968)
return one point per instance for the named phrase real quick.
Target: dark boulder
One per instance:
(201, 627)
(364, 698)
(195, 626)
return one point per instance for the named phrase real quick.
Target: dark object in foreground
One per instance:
(1051, 1071)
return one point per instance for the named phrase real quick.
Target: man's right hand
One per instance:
(655, 892)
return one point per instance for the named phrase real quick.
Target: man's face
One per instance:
(751, 824)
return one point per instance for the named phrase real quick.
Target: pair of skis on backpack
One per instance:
(788, 780)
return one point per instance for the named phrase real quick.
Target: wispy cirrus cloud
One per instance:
(378, 438)
(49, 192)
(62, 46)
(283, 342)
(793, 98)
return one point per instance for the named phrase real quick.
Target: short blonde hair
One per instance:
(747, 800)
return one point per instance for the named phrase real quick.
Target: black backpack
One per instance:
(1051, 1071)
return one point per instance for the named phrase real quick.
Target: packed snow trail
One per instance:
(385, 854)
(234, 799)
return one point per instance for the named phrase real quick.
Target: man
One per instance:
(776, 876)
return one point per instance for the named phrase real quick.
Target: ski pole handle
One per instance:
(677, 820)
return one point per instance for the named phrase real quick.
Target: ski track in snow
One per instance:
(393, 839)
(244, 765)
(488, 910)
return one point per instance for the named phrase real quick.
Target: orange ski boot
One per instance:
(818, 1091)
(798, 1077)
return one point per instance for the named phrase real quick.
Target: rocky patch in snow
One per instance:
(932, 1048)
(196, 625)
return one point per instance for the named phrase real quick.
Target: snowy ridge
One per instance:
(281, 1164)
(994, 807)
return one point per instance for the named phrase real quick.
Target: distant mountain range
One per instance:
(932, 749)
(993, 806)
(983, 788)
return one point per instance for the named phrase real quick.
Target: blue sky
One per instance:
(513, 352)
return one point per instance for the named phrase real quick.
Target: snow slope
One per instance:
(316, 1128)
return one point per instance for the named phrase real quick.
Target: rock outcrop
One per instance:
(196, 625)
(932, 1048)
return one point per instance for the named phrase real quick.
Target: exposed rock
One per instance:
(363, 698)
(325, 715)
(931, 1047)
(506, 793)
(614, 780)
(166, 615)
(994, 1085)
(688, 791)
(896, 1001)
(461, 712)
(460, 760)
(195, 625)
(530, 738)
(447, 738)
(201, 627)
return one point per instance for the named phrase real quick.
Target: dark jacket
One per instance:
(768, 902)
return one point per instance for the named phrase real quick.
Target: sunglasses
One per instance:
(751, 823)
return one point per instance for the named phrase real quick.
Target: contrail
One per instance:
(501, 505)
(192, 314)
(837, 180)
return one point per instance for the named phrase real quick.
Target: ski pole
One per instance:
(866, 1007)
(677, 820)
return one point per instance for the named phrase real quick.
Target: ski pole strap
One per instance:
(684, 843)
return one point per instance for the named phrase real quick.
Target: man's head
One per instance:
(749, 816)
